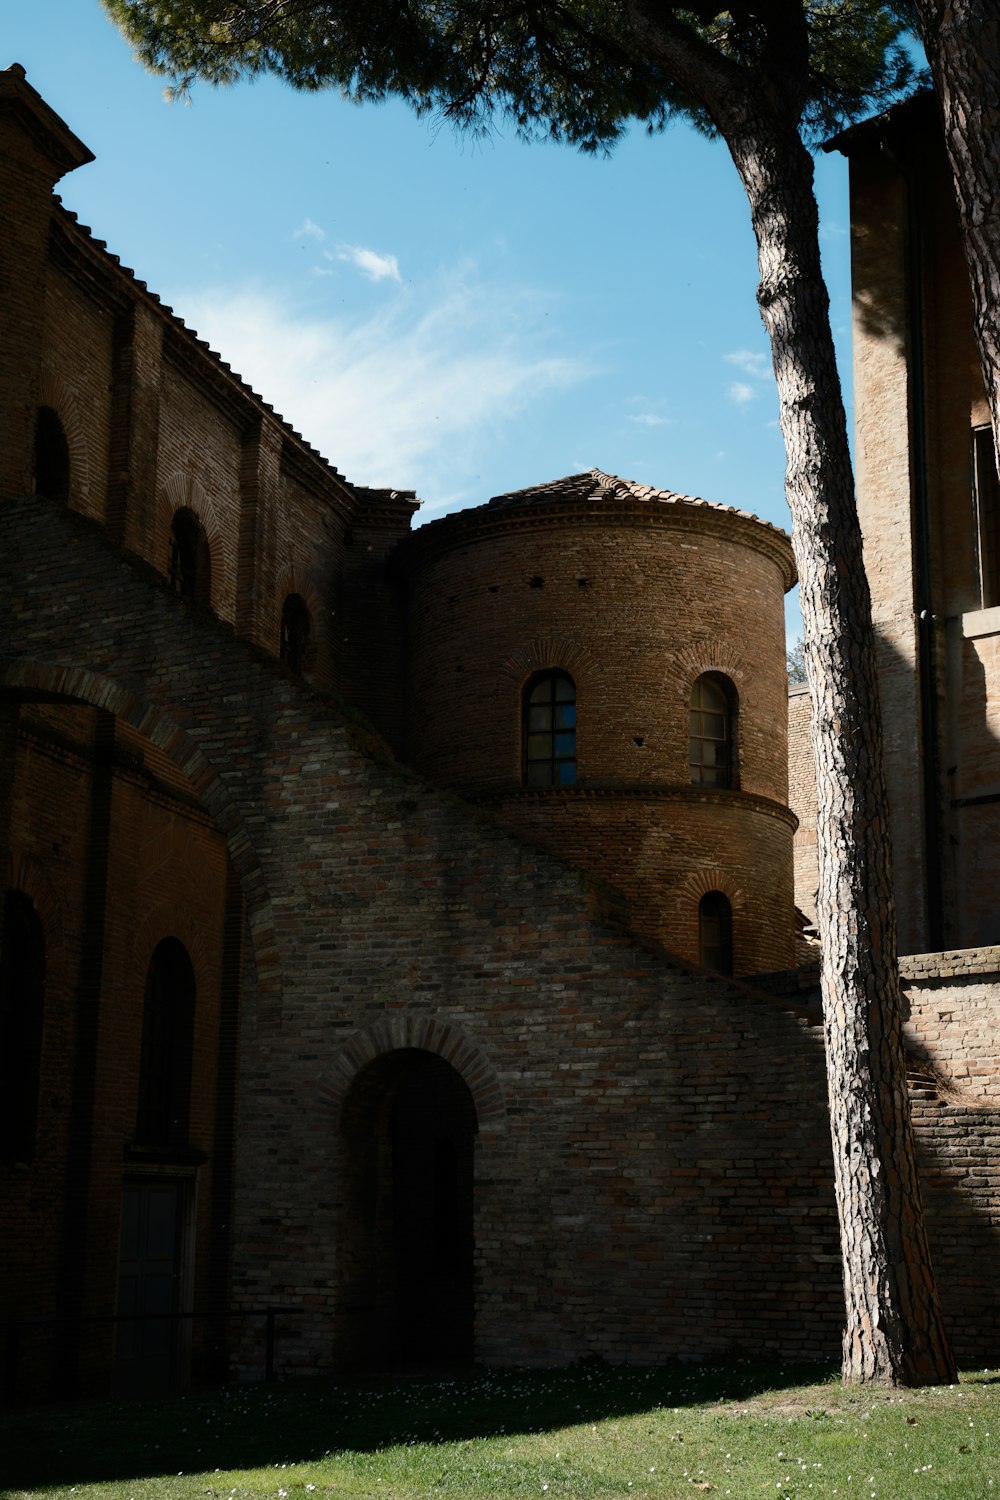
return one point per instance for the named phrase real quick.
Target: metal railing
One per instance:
(14, 1328)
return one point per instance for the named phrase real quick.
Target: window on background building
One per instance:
(550, 730)
(986, 489)
(295, 631)
(51, 456)
(190, 565)
(162, 1117)
(715, 933)
(22, 1000)
(713, 705)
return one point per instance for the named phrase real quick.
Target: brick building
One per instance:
(371, 895)
(928, 497)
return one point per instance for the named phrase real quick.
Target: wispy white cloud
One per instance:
(650, 419)
(741, 393)
(418, 395)
(647, 413)
(307, 230)
(830, 229)
(370, 263)
(750, 362)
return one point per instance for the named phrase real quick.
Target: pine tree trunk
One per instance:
(962, 41)
(894, 1332)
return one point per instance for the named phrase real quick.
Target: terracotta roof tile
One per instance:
(594, 484)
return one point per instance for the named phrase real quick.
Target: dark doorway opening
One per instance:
(406, 1280)
(149, 1282)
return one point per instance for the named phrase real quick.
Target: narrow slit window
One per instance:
(162, 1117)
(295, 633)
(190, 563)
(51, 456)
(987, 499)
(550, 730)
(715, 933)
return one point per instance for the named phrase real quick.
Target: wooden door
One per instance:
(148, 1282)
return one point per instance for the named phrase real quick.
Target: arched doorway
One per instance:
(405, 1280)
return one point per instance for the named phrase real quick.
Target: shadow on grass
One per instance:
(242, 1427)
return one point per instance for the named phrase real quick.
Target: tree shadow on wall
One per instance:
(958, 1148)
(239, 1427)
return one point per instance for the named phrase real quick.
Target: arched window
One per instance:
(713, 721)
(715, 933)
(51, 456)
(550, 730)
(167, 1045)
(296, 628)
(190, 566)
(22, 999)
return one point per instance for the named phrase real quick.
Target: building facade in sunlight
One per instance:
(379, 903)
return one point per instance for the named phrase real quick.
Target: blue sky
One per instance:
(453, 316)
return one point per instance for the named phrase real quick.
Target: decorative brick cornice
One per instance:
(80, 257)
(602, 500)
(18, 100)
(568, 795)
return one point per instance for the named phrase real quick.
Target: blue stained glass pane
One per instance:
(567, 773)
(565, 744)
(566, 716)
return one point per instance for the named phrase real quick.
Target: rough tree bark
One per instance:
(894, 1332)
(962, 42)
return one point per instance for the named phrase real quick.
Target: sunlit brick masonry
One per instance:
(399, 925)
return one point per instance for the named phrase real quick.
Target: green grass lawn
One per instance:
(737, 1429)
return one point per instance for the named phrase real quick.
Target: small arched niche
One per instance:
(189, 565)
(405, 1295)
(294, 646)
(715, 932)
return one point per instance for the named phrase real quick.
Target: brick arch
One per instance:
(393, 1034)
(27, 875)
(700, 882)
(545, 653)
(79, 685)
(184, 492)
(165, 920)
(56, 393)
(692, 661)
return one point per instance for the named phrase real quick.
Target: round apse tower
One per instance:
(601, 667)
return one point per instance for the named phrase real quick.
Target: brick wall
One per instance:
(631, 1115)
(802, 798)
(114, 858)
(635, 598)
